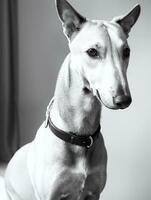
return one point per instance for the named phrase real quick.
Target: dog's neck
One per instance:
(75, 108)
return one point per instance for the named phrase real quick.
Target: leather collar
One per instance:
(73, 138)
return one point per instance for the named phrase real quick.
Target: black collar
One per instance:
(73, 138)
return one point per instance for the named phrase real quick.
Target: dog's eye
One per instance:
(126, 53)
(93, 53)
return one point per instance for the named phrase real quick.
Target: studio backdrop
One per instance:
(9, 126)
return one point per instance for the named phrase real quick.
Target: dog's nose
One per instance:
(122, 101)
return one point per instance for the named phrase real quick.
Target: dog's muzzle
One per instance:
(122, 101)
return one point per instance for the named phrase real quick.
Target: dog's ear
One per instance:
(72, 21)
(128, 20)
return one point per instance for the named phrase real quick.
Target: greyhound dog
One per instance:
(67, 160)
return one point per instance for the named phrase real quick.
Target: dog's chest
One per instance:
(76, 179)
(77, 183)
(77, 159)
(71, 182)
(81, 167)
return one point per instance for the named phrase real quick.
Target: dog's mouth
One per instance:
(98, 96)
(101, 101)
(121, 102)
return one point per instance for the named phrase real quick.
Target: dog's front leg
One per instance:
(68, 186)
(59, 196)
(92, 196)
(94, 185)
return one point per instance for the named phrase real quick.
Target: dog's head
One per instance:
(100, 52)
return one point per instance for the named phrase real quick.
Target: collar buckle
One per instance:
(91, 142)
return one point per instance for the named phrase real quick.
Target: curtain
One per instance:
(9, 120)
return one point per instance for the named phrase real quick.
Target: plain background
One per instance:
(127, 133)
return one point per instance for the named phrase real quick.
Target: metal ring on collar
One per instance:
(91, 142)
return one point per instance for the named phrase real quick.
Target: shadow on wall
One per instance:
(9, 120)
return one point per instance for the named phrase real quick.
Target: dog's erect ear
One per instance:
(70, 18)
(127, 21)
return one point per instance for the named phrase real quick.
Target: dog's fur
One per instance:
(93, 73)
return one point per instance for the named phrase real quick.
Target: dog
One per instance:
(67, 160)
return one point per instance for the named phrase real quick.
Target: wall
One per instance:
(127, 133)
